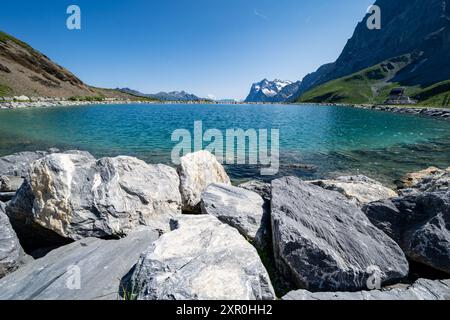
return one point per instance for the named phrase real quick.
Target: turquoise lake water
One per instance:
(329, 140)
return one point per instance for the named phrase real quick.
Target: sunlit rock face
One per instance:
(77, 196)
(202, 259)
(197, 171)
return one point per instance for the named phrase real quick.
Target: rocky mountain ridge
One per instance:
(414, 27)
(272, 91)
(164, 96)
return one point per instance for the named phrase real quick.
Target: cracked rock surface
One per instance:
(419, 223)
(76, 196)
(89, 269)
(241, 209)
(11, 252)
(202, 259)
(422, 289)
(323, 242)
(197, 171)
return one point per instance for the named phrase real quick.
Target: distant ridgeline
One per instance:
(165, 96)
(409, 54)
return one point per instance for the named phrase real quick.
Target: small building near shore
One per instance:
(397, 96)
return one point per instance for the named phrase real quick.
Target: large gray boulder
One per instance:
(421, 290)
(32, 235)
(359, 189)
(11, 253)
(202, 259)
(239, 208)
(89, 269)
(18, 164)
(419, 223)
(260, 187)
(197, 171)
(324, 242)
(14, 168)
(76, 197)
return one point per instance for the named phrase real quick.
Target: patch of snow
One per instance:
(268, 92)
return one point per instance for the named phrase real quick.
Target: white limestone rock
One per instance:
(202, 259)
(77, 197)
(197, 171)
(359, 189)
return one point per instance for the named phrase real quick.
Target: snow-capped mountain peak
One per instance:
(271, 91)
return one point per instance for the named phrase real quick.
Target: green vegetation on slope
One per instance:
(373, 85)
(4, 37)
(4, 90)
(435, 95)
(370, 85)
(87, 98)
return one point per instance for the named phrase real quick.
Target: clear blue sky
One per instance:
(207, 47)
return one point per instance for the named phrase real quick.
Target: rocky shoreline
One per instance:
(76, 227)
(439, 113)
(64, 103)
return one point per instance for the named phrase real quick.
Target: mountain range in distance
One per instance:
(411, 51)
(164, 96)
(26, 71)
(176, 96)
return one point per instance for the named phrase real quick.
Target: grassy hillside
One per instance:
(26, 71)
(373, 85)
(435, 95)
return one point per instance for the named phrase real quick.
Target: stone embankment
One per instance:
(76, 227)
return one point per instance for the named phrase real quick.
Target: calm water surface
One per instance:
(329, 140)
